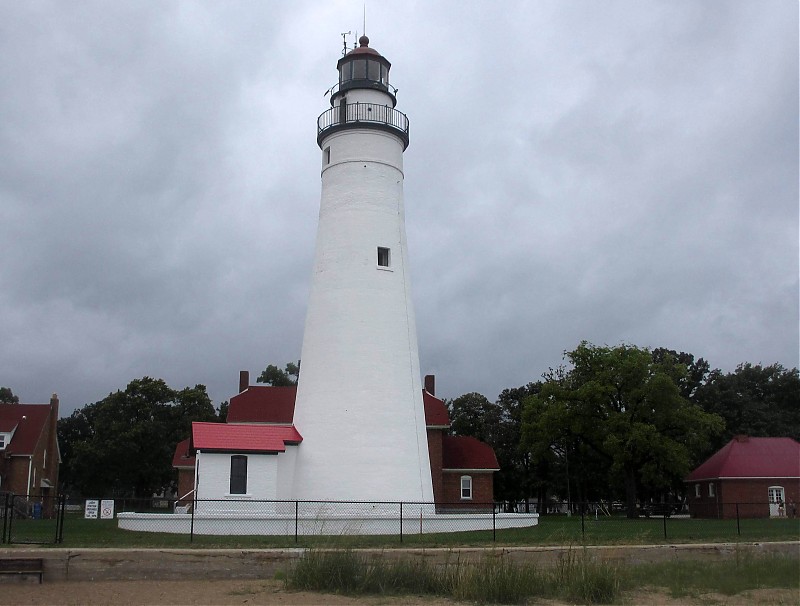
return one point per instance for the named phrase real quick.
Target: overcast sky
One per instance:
(616, 171)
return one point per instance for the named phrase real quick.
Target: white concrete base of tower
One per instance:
(324, 523)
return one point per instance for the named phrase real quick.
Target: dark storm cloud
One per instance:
(615, 171)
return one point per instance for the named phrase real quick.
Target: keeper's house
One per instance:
(748, 477)
(29, 455)
(252, 455)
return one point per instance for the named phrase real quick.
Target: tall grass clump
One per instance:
(344, 571)
(497, 581)
(584, 580)
(728, 577)
(494, 580)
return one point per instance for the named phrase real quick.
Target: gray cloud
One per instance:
(624, 171)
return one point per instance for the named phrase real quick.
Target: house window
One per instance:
(466, 487)
(383, 257)
(697, 491)
(2, 441)
(711, 489)
(238, 474)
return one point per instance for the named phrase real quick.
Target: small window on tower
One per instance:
(326, 156)
(383, 257)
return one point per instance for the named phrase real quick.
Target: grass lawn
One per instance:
(552, 530)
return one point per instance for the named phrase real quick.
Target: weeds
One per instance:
(730, 577)
(494, 580)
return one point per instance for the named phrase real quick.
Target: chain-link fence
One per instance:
(241, 517)
(595, 523)
(286, 522)
(32, 519)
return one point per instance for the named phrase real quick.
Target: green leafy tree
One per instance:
(123, 444)
(474, 415)
(691, 374)
(623, 410)
(754, 400)
(272, 375)
(7, 396)
(498, 424)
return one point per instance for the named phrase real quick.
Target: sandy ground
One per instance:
(272, 592)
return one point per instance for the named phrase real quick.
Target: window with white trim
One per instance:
(326, 155)
(697, 491)
(466, 487)
(384, 257)
(711, 489)
(238, 474)
(2, 441)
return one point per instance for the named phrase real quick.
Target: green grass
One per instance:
(552, 530)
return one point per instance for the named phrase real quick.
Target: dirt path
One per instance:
(139, 593)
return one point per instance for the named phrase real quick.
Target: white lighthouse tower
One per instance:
(359, 398)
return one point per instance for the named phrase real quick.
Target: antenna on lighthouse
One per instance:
(344, 42)
(365, 19)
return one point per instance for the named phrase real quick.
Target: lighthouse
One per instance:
(359, 396)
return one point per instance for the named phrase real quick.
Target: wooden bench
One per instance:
(22, 566)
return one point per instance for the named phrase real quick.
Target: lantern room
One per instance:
(363, 67)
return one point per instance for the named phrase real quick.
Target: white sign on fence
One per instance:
(90, 511)
(107, 509)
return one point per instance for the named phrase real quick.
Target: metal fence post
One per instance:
(583, 522)
(10, 498)
(296, 517)
(401, 521)
(665, 525)
(62, 506)
(494, 524)
(191, 524)
(738, 528)
(5, 517)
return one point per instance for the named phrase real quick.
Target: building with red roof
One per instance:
(259, 431)
(29, 455)
(748, 477)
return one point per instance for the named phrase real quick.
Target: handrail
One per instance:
(175, 506)
(348, 84)
(368, 114)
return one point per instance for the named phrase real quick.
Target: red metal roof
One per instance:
(263, 404)
(465, 452)
(225, 437)
(183, 456)
(745, 457)
(267, 404)
(436, 414)
(28, 429)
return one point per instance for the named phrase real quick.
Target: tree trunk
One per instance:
(630, 493)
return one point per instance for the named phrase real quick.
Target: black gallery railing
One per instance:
(364, 114)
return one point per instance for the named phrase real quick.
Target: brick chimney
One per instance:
(430, 384)
(244, 380)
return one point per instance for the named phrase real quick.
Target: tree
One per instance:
(474, 415)
(498, 424)
(272, 375)
(623, 411)
(123, 444)
(754, 400)
(692, 373)
(7, 396)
